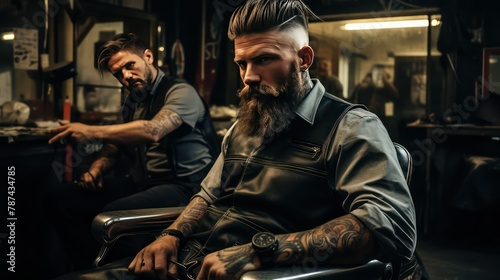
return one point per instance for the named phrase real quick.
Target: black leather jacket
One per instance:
(294, 165)
(290, 184)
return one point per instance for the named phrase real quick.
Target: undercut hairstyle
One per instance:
(121, 42)
(256, 16)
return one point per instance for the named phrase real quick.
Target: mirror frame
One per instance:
(487, 54)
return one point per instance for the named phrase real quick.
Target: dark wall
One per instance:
(468, 27)
(182, 21)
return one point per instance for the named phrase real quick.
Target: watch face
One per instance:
(263, 239)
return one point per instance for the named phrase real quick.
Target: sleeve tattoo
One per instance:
(341, 241)
(163, 123)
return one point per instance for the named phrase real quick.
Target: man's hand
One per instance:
(90, 180)
(75, 131)
(153, 260)
(229, 263)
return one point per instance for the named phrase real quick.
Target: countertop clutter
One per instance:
(14, 112)
(30, 131)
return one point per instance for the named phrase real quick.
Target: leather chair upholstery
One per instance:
(405, 161)
(108, 227)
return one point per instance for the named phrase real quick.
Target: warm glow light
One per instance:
(390, 24)
(435, 22)
(8, 36)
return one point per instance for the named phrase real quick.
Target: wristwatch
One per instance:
(265, 244)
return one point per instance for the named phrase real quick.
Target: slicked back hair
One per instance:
(121, 42)
(256, 16)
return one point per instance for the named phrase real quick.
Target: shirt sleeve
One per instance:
(371, 183)
(211, 186)
(183, 99)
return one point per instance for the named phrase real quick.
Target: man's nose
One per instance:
(251, 76)
(127, 74)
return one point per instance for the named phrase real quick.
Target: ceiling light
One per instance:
(390, 24)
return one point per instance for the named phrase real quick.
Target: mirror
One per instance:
(390, 64)
(93, 92)
(488, 91)
(491, 71)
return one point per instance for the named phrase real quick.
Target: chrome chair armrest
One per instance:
(108, 227)
(372, 270)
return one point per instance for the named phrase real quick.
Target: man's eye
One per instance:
(129, 65)
(263, 60)
(118, 75)
(241, 65)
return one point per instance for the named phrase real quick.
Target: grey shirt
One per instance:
(192, 151)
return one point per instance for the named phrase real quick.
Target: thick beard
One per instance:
(140, 92)
(265, 111)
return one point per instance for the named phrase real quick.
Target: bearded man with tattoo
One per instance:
(290, 187)
(164, 134)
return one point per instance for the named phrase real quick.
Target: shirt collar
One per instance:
(159, 77)
(309, 105)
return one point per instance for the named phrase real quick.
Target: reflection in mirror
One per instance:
(87, 66)
(381, 62)
(91, 98)
(494, 77)
(491, 71)
(488, 107)
(95, 94)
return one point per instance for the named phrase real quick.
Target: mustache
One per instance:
(258, 91)
(132, 83)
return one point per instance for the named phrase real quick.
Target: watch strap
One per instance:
(173, 232)
(267, 260)
(266, 255)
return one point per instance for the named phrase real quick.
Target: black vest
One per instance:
(278, 187)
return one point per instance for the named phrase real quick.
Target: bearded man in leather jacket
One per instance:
(334, 193)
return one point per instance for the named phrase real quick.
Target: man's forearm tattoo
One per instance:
(236, 257)
(331, 242)
(191, 215)
(340, 237)
(163, 123)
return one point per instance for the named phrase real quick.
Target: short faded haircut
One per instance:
(121, 42)
(256, 16)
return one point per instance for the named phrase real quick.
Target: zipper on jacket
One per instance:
(306, 147)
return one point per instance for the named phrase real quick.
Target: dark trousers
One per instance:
(72, 209)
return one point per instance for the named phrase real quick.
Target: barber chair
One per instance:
(108, 227)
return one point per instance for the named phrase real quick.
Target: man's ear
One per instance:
(306, 53)
(148, 56)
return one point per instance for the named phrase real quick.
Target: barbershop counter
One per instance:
(27, 164)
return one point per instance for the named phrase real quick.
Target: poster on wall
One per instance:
(25, 49)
